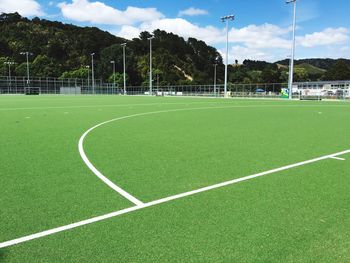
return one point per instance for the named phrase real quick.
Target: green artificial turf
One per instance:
(299, 215)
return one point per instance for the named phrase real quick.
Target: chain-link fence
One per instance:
(306, 90)
(20, 85)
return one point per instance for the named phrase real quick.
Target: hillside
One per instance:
(61, 50)
(64, 51)
(321, 63)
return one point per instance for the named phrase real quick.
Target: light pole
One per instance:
(88, 68)
(92, 73)
(150, 65)
(226, 19)
(291, 65)
(215, 66)
(124, 65)
(27, 54)
(113, 63)
(9, 63)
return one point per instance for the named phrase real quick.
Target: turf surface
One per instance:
(294, 216)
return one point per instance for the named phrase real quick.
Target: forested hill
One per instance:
(63, 50)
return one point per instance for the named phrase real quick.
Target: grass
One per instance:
(293, 216)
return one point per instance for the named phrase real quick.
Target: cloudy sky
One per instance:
(261, 30)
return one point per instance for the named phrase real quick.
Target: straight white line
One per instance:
(160, 201)
(108, 182)
(155, 104)
(117, 188)
(337, 158)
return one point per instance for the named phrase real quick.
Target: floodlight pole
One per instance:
(215, 66)
(124, 65)
(291, 65)
(9, 63)
(92, 73)
(88, 68)
(27, 57)
(226, 19)
(150, 65)
(113, 63)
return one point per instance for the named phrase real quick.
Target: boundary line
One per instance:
(117, 188)
(162, 200)
(170, 104)
(337, 158)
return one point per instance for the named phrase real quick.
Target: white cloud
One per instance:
(23, 7)
(329, 36)
(193, 12)
(208, 34)
(266, 42)
(241, 53)
(100, 13)
(262, 36)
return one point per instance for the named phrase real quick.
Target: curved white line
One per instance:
(119, 189)
(104, 178)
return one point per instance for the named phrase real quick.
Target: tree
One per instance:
(43, 66)
(81, 73)
(300, 75)
(271, 74)
(339, 71)
(119, 78)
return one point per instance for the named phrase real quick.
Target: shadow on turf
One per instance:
(2, 254)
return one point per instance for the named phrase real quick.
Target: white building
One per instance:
(323, 88)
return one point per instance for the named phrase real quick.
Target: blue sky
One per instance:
(262, 29)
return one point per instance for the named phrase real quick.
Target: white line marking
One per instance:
(160, 201)
(99, 174)
(107, 181)
(160, 104)
(337, 158)
(109, 105)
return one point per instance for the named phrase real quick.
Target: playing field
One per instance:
(173, 180)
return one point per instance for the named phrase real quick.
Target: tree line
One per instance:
(64, 51)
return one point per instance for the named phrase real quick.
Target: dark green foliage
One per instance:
(61, 50)
(339, 71)
(57, 47)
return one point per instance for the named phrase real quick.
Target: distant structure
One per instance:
(322, 88)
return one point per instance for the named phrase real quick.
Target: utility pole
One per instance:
(150, 65)
(291, 65)
(226, 19)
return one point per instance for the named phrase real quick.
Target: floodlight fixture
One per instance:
(226, 19)
(229, 17)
